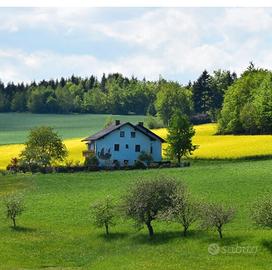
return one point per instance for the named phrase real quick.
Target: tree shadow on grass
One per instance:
(226, 240)
(113, 236)
(20, 229)
(158, 238)
(268, 245)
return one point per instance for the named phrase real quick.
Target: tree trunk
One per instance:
(220, 233)
(107, 229)
(14, 223)
(185, 231)
(179, 159)
(150, 229)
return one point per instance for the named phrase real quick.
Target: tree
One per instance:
(247, 104)
(202, 93)
(103, 213)
(216, 215)
(184, 210)
(180, 133)
(171, 98)
(261, 211)
(43, 147)
(14, 207)
(37, 100)
(146, 199)
(18, 103)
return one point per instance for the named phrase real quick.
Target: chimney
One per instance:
(141, 124)
(117, 122)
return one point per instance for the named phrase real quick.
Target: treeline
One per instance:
(116, 94)
(247, 105)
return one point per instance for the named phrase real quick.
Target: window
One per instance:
(151, 149)
(126, 146)
(116, 147)
(122, 133)
(137, 148)
(133, 134)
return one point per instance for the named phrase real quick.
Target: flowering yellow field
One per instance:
(226, 146)
(74, 146)
(210, 145)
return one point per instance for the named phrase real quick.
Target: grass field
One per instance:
(14, 127)
(56, 231)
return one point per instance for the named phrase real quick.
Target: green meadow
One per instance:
(56, 231)
(14, 127)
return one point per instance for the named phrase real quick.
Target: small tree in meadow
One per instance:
(103, 213)
(184, 210)
(215, 215)
(147, 199)
(14, 207)
(180, 133)
(44, 146)
(261, 212)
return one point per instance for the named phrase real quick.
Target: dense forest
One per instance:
(116, 94)
(240, 105)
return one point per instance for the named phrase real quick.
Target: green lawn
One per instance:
(14, 127)
(56, 231)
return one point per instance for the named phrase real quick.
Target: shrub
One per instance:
(116, 164)
(146, 199)
(145, 157)
(103, 213)
(13, 166)
(216, 216)
(139, 165)
(261, 212)
(14, 207)
(91, 162)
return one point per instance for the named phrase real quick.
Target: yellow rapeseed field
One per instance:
(210, 146)
(74, 146)
(226, 146)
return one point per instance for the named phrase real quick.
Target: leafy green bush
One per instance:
(261, 212)
(145, 157)
(91, 161)
(139, 165)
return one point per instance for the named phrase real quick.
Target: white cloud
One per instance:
(170, 42)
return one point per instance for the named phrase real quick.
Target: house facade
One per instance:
(123, 142)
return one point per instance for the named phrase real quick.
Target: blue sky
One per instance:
(176, 43)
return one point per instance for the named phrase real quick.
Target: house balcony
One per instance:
(88, 153)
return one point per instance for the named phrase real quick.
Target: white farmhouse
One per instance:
(123, 142)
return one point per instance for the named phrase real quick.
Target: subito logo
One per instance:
(213, 249)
